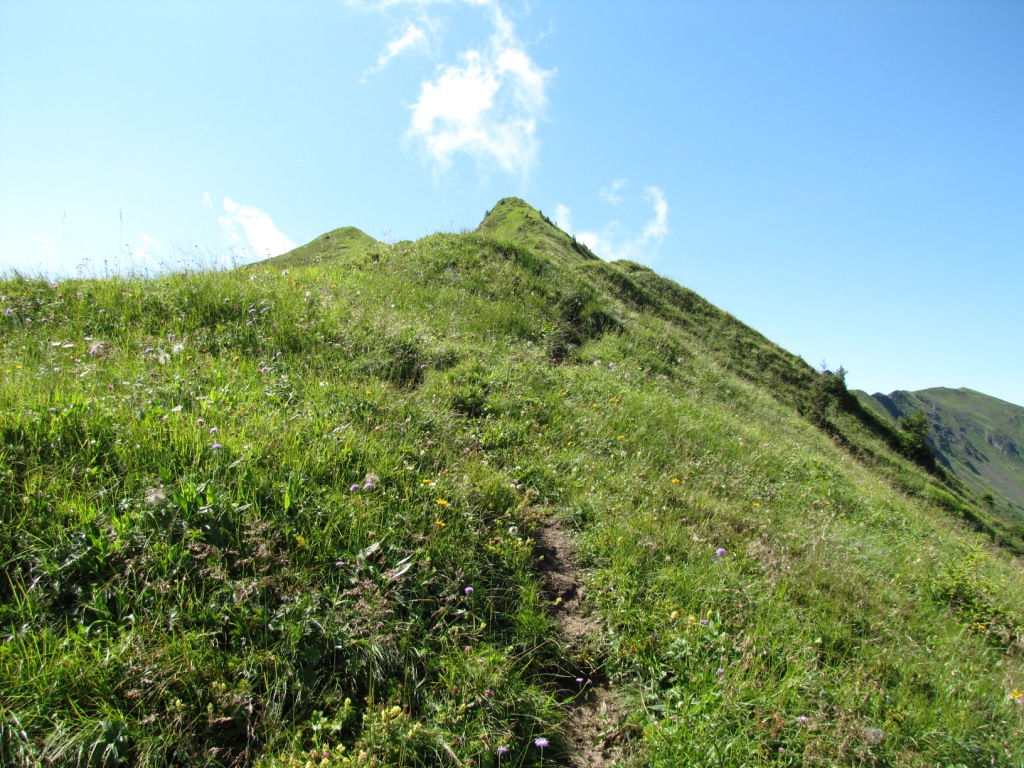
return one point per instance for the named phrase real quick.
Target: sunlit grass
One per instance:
(283, 516)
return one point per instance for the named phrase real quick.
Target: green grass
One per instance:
(980, 438)
(188, 578)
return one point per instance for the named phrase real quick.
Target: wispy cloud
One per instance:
(611, 242)
(611, 192)
(486, 105)
(146, 249)
(255, 226)
(563, 218)
(412, 37)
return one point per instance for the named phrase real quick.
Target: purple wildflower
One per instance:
(468, 590)
(703, 622)
(502, 750)
(216, 447)
(354, 487)
(541, 742)
(368, 486)
(719, 551)
(719, 671)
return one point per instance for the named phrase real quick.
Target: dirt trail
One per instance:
(594, 721)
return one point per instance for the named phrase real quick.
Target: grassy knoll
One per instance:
(285, 516)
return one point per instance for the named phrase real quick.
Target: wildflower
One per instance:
(675, 481)
(368, 486)
(579, 680)
(354, 487)
(703, 622)
(216, 447)
(803, 719)
(541, 742)
(440, 524)
(719, 551)
(757, 504)
(468, 590)
(719, 671)
(214, 430)
(442, 503)
(502, 750)
(489, 693)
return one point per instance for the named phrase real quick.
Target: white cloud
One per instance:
(611, 192)
(413, 37)
(611, 243)
(563, 218)
(657, 227)
(207, 200)
(487, 106)
(257, 227)
(145, 249)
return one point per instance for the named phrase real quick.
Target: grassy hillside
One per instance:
(475, 500)
(980, 438)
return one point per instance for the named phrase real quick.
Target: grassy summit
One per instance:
(480, 500)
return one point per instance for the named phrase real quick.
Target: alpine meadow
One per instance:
(482, 499)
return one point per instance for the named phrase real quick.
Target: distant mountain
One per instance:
(978, 437)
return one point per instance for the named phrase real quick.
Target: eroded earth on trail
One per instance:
(594, 730)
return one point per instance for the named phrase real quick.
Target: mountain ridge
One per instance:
(478, 498)
(978, 437)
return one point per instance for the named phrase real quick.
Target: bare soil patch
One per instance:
(594, 722)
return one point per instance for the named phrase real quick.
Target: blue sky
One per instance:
(845, 177)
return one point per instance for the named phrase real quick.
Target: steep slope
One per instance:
(472, 500)
(980, 438)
